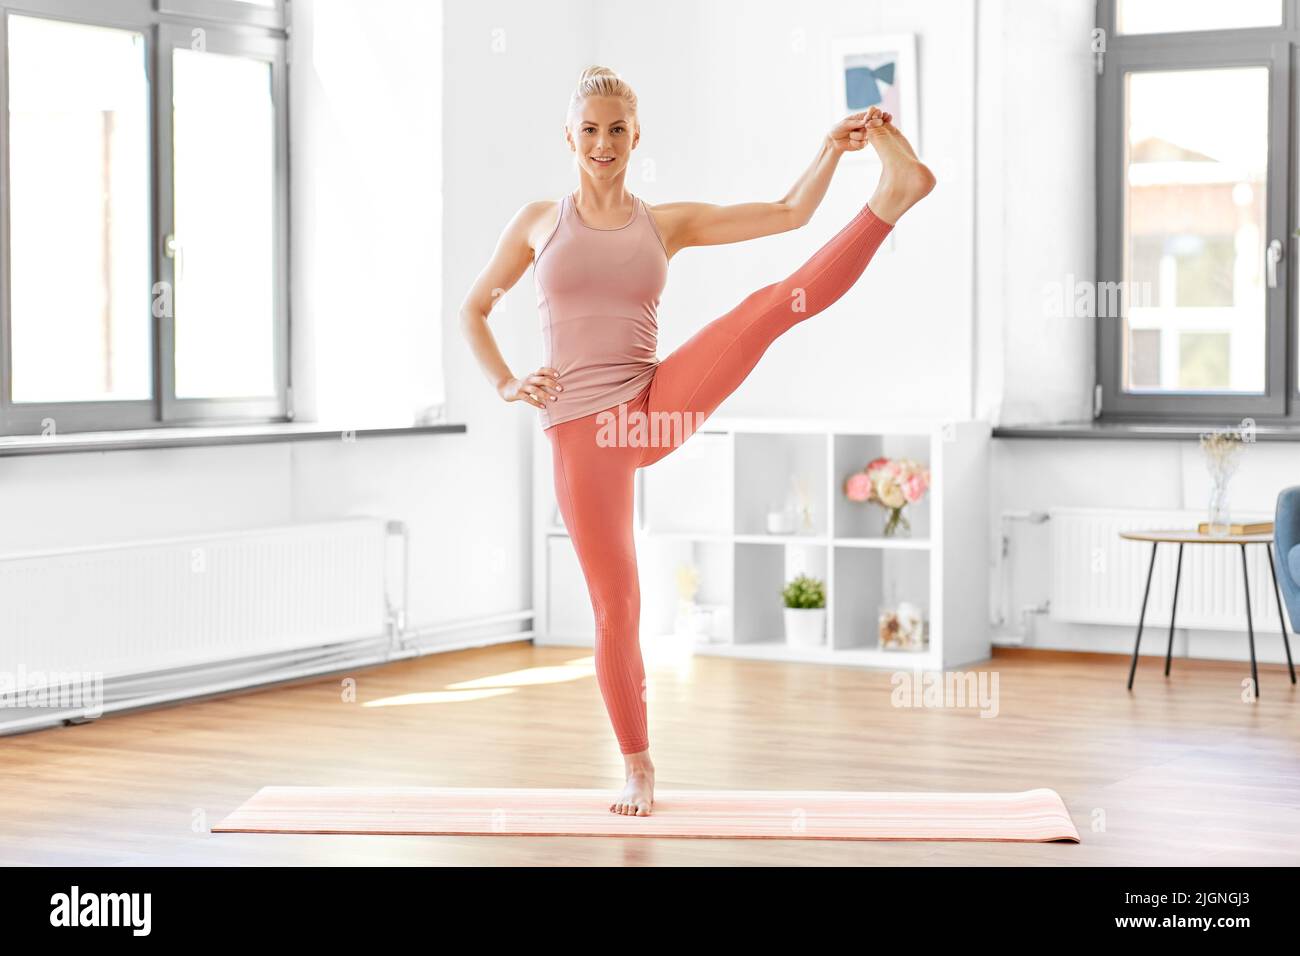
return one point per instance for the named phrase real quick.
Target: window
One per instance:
(143, 214)
(1171, 16)
(1193, 219)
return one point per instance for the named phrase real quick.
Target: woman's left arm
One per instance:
(705, 224)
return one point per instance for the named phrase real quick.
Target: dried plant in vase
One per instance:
(1221, 449)
(800, 503)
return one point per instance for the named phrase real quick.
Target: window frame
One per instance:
(272, 16)
(230, 27)
(172, 36)
(1275, 47)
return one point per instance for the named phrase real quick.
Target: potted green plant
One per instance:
(805, 611)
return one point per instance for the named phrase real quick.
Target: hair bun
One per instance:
(594, 71)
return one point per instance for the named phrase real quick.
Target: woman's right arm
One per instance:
(509, 260)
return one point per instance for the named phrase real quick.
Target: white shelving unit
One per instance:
(706, 504)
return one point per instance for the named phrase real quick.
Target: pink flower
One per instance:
(914, 487)
(892, 482)
(858, 487)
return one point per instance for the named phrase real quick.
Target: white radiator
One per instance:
(142, 606)
(1098, 577)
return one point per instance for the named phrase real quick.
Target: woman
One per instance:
(600, 259)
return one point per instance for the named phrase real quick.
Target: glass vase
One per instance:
(900, 627)
(896, 524)
(1220, 517)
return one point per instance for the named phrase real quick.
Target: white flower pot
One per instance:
(780, 522)
(805, 626)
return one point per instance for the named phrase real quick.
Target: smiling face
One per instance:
(602, 135)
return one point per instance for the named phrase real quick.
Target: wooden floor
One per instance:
(1181, 771)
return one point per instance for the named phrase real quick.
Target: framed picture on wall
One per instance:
(877, 71)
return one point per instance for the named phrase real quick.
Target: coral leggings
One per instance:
(595, 459)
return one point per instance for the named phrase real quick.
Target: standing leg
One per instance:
(1281, 611)
(1178, 573)
(594, 487)
(691, 382)
(1250, 627)
(1143, 616)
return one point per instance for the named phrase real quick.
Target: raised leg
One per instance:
(1250, 627)
(1178, 573)
(692, 381)
(1143, 616)
(1281, 611)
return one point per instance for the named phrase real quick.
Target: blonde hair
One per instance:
(601, 81)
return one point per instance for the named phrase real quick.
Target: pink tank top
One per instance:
(598, 295)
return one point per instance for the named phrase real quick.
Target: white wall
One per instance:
(1035, 208)
(366, 113)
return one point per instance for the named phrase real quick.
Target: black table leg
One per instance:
(1250, 627)
(1178, 573)
(1281, 611)
(1143, 616)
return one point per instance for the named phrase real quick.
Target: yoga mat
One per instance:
(1034, 816)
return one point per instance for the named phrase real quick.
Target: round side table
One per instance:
(1194, 537)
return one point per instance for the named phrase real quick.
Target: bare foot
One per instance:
(638, 796)
(905, 180)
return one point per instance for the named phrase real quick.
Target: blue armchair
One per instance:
(1286, 539)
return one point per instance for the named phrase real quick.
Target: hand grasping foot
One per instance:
(904, 180)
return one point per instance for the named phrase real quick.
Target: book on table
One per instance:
(1258, 527)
